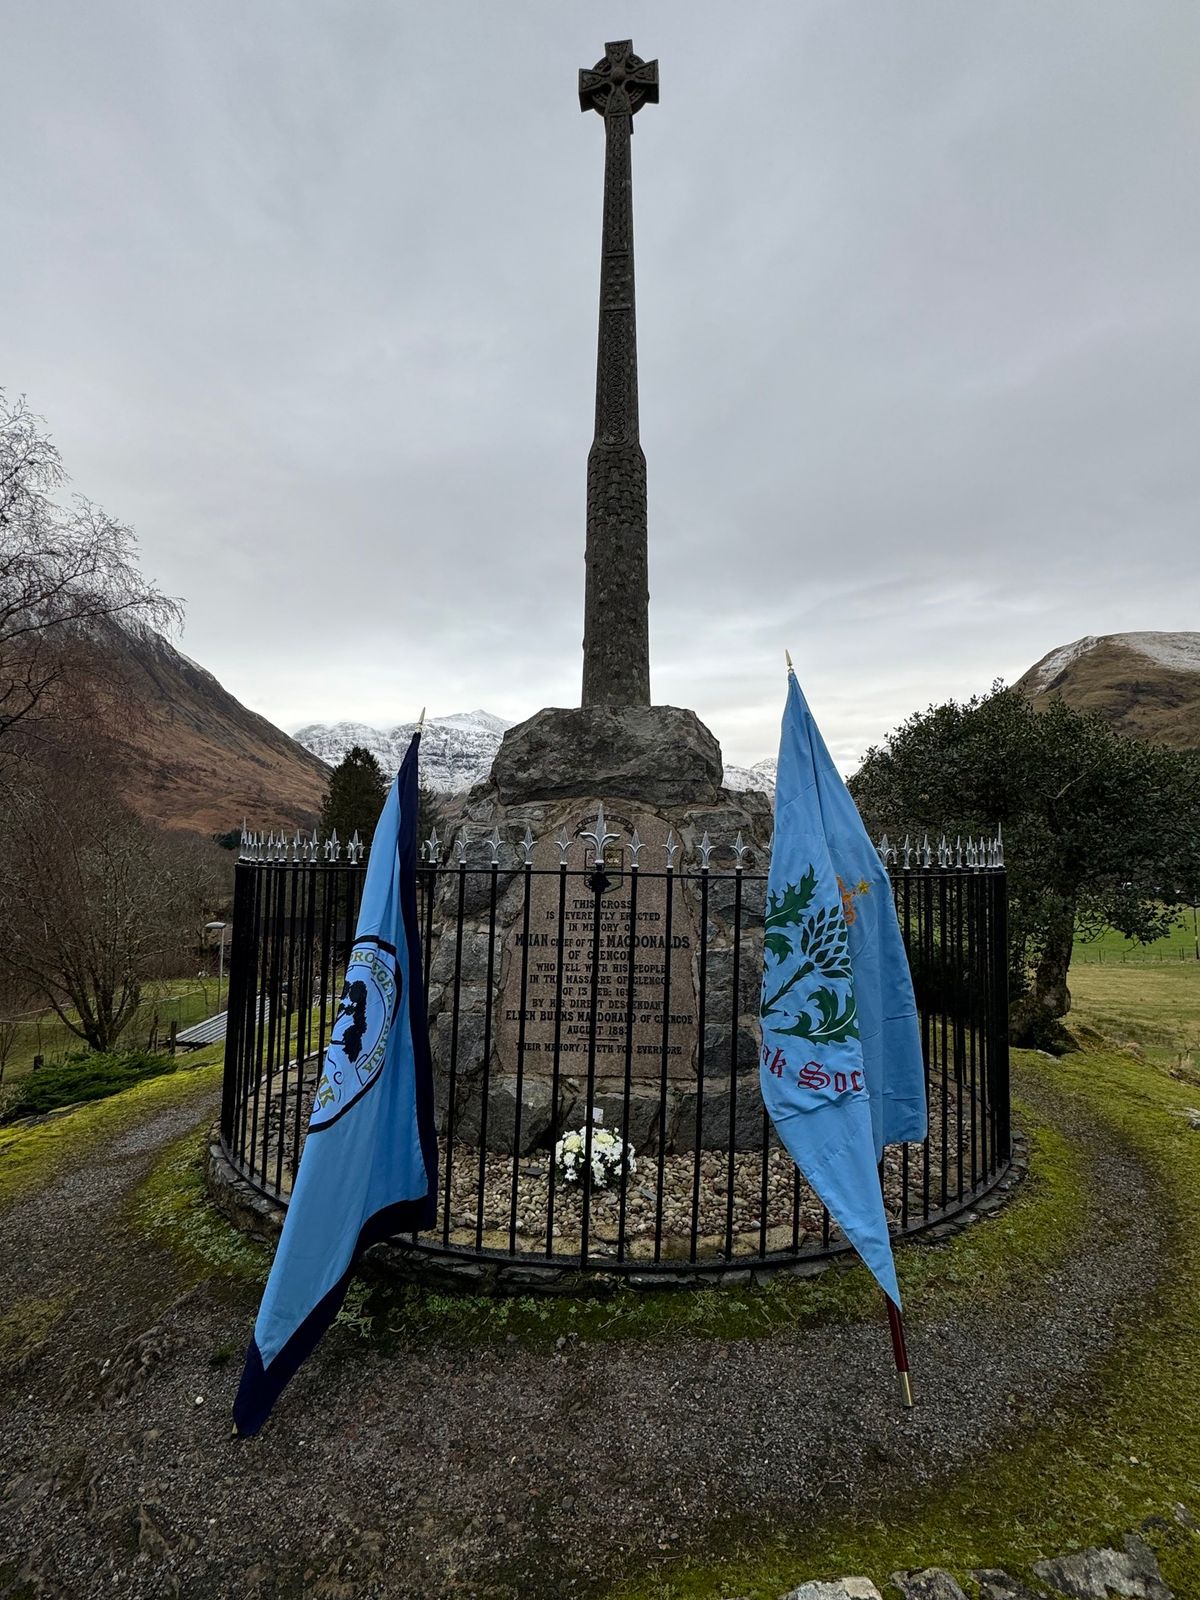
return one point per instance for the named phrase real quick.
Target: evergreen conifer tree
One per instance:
(357, 790)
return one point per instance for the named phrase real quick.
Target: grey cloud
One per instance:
(308, 295)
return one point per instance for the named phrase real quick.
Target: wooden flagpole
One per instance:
(899, 1350)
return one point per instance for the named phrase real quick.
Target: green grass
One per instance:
(1156, 1010)
(1114, 949)
(1082, 1478)
(32, 1156)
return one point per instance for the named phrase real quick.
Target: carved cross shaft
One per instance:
(616, 629)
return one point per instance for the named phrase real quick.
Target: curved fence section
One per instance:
(626, 998)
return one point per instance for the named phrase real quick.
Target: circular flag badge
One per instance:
(360, 1030)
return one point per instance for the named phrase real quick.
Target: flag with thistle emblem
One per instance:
(842, 1071)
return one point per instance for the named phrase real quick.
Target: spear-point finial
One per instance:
(787, 656)
(635, 849)
(494, 842)
(460, 849)
(739, 850)
(527, 845)
(706, 849)
(600, 837)
(564, 843)
(672, 849)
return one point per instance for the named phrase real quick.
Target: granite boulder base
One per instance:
(661, 755)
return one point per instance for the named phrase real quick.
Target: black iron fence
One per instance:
(620, 1003)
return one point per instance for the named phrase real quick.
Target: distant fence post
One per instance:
(172, 1036)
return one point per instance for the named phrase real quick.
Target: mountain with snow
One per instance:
(760, 776)
(458, 750)
(1146, 684)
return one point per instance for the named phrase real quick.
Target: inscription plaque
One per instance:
(592, 954)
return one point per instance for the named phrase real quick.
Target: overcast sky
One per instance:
(307, 294)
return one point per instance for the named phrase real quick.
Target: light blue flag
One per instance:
(842, 1072)
(369, 1167)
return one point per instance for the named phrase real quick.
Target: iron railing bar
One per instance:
(735, 1019)
(556, 1065)
(516, 1150)
(489, 993)
(668, 935)
(630, 996)
(702, 1025)
(452, 1076)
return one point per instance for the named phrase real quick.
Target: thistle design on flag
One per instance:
(801, 944)
(804, 944)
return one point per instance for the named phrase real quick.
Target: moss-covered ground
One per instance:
(1087, 1477)
(1072, 1478)
(31, 1155)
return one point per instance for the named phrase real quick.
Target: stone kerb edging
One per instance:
(259, 1215)
(1097, 1573)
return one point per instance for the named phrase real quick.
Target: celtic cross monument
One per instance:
(616, 622)
(616, 742)
(539, 954)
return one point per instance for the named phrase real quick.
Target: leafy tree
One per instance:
(357, 790)
(1100, 830)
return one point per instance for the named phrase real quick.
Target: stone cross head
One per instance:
(620, 83)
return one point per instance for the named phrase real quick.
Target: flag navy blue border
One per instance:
(261, 1386)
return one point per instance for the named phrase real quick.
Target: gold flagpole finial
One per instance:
(787, 656)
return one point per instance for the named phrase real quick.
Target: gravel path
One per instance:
(499, 1472)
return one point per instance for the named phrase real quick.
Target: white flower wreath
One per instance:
(608, 1153)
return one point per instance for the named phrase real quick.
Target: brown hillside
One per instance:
(1146, 684)
(191, 756)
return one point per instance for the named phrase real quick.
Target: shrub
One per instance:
(84, 1075)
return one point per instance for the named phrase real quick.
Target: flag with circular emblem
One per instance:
(369, 1165)
(842, 1072)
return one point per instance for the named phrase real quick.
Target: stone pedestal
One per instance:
(661, 755)
(549, 948)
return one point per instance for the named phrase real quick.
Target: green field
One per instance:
(1114, 949)
(184, 1001)
(1155, 1011)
